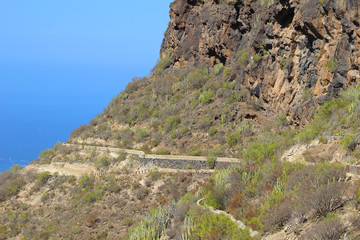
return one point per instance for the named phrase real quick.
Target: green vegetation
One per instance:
(340, 111)
(218, 68)
(285, 63)
(211, 160)
(102, 162)
(281, 120)
(153, 226)
(206, 97)
(267, 2)
(233, 139)
(207, 225)
(163, 152)
(43, 177)
(244, 57)
(332, 65)
(171, 123)
(161, 65)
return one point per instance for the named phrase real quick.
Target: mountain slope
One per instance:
(233, 63)
(261, 81)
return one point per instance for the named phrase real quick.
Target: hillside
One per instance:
(234, 63)
(247, 128)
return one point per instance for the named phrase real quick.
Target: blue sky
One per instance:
(62, 61)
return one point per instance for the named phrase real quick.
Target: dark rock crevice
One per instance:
(285, 17)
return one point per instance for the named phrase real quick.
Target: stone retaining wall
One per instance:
(184, 163)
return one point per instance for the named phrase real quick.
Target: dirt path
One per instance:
(76, 169)
(141, 154)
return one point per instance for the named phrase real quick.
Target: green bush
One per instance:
(46, 155)
(43, 177)
(206, 97)
(207, 225)
(142, 134)
(218, 68)
(215, 199)
(93, 196)
(211, 160)
(163, 152)
(244, 57)
(87, 181)
(332, 65)
(161, 65)
(195, 153)
(102, 162)
(212, 131)
(263, 148)
(154, 174)
(233, 139)
(348, 142)
(281, 120)
(197, 79)
(171, 123)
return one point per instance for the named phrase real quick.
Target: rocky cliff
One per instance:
(293, 54)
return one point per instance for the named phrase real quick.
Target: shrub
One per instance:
(141, 193)
(233, 139)
(195, 153)
(71, 179)
(46, 155)
(211, 160)
(281, 120)
(161, 65)
(348, 142)
(329, 229)
(332, 65)
(155, 142)
(206, 97)
(102, 162)
(327, 198)
(113, 187)
(206, 225)
(43, 177)
(278, 216)
(87, 181)
(121, 156)
(171, 123)
(93, 196)
(154, 174)
(218, 68)
(163, 152)
(263, 148)
(10, 184)
(257, 57)
(212, 131)
(244, 57)
(285, 63)
(195, 80)
(80, 130)
(142, 134)
(236, 201)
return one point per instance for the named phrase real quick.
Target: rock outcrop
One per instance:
(290, 54)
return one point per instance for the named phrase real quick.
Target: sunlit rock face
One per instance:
(291, 54)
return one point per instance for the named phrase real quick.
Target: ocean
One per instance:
(41, 105)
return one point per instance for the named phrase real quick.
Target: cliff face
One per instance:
(290, 54)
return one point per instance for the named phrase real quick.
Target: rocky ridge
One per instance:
(295, 54)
